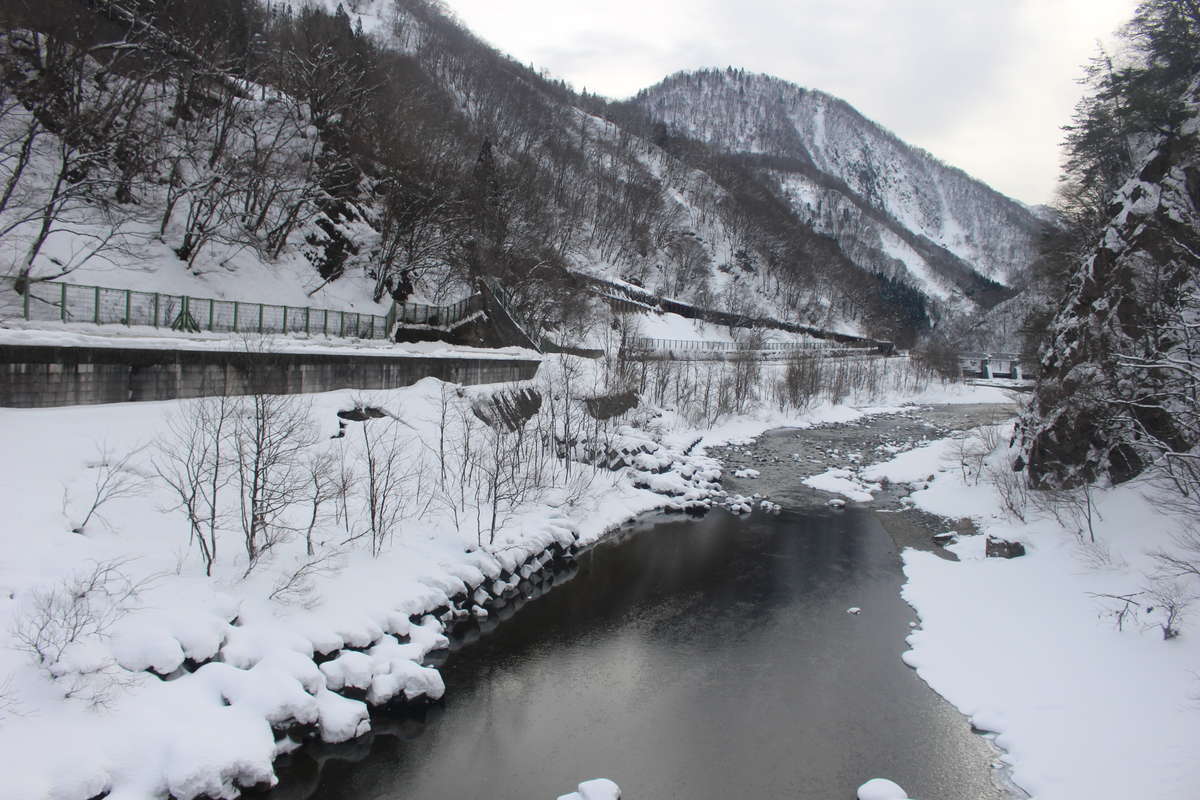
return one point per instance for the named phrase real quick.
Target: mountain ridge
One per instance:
(417, 155)
(834, 155)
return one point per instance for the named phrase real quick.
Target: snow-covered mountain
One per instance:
(895, 208)
(413, 154)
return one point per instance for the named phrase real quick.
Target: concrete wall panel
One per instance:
(37, 376)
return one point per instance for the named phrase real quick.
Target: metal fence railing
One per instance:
(648, 344)
(437, 316)
(702, 349)
(51, 301)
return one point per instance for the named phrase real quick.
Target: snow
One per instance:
(1030, 650)
(673, 326)
(881, 789)
(186, 690)
(340, 718)
(763, 418)
(915, 465)
(205, 725)
(842, 481)
(597, 789)
(88, 335)
(208, 727)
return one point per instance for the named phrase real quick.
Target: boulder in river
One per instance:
(1001, 548)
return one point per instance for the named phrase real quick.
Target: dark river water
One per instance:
(698, 659)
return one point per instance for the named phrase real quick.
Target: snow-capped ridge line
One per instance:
(958, 224)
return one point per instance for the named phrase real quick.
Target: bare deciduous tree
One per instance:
(321, 487)
(192, 459)
(388, 468)
(270, 435)
(72, 612)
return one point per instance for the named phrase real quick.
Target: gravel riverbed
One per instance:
(784, 457)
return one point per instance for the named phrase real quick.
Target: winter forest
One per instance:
(382, 416)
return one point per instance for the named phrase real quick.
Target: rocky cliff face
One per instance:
(1120, 374)
(895, 208)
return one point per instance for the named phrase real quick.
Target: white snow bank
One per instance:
(915, 465)
(881, 789)
(844, 482)
(179, 688)
(597, 789)
(1030, 649)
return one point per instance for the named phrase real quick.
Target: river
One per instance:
(687, 658)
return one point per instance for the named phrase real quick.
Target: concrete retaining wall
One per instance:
(35, 376)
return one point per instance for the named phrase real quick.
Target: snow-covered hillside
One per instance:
(851, 178)
(367, 146)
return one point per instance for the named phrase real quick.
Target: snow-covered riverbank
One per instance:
(1077, 685)
(1058, 655)
(130, 671)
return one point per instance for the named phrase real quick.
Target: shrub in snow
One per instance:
(113, 477)
(63, 626)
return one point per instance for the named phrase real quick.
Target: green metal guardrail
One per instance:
(52, 301)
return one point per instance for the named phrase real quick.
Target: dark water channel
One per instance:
(709, 658)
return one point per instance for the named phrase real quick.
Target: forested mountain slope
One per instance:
(895, 207)
(343, 152)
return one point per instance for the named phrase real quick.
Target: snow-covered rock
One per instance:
(881, 789)
(597, 789)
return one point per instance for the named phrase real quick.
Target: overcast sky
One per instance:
(985, 85)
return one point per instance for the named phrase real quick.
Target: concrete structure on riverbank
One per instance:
(33, 376)
(993, 365)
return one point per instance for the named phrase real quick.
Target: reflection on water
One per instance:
(708, 658)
